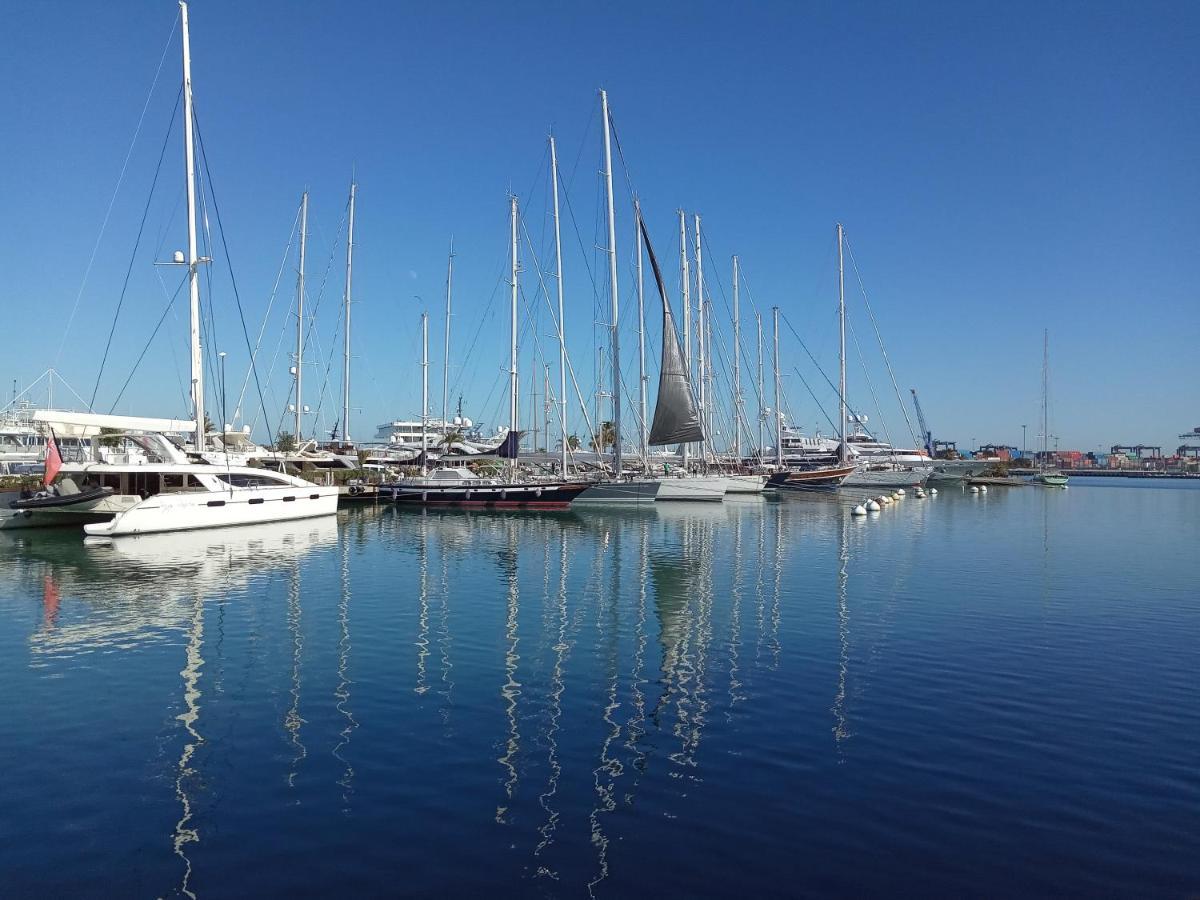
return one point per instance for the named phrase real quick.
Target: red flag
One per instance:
(53, 459)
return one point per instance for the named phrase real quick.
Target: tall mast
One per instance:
(193, 261)
(346, 350)
(300, 317)
(612, 277)
(758, 322)
(644, 438)
(424, 393)
(685, 280)
(562, 343)
(778, 414)
(446, 348)
(1045, 396)
(513, 385)
(737, 369)
(546, 404)
(699, 256)
(842, 347)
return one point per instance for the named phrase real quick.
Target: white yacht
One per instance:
(138, 480)
(147, 483)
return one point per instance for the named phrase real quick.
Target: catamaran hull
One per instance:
(692, 487)
(187, 510)
(539, 496)
(620, 492)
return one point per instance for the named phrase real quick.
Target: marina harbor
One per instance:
(683, 452)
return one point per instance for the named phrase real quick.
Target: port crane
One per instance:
(926, 434)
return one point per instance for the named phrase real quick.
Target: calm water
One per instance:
(967, 695)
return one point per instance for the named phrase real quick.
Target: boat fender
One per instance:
(355, 490)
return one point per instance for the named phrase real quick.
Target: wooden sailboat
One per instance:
(823, 477)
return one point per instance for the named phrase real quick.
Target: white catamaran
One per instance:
(143, 481)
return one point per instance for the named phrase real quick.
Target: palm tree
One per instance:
(451, 438)
(606, 438)
(573, 442)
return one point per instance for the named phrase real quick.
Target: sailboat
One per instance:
(820, 477)
(148, 482)
(620, 488)
(676, 413)
(1048, 477)
(460, 486)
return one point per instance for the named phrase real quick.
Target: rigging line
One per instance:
(208, 295)
(171, 344)
(567, 356)
(311, 334)
(153, 334)
(796, 334)
(879, 337)
(266, 316)
(579, 239)
(262, 328)
(820, 406)
(229, 264)
(116, 190)
(871, 387)
(136, 244)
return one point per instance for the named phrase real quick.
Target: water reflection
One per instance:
(666, 604)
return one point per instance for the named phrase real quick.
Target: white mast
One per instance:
(778, 413)
(761, 396)
(612, 277)
(737, 369)
(300, 317)
(1045, 399)
(644, 438)
(346, 351)
(424, 393)
(562, 343)
(446, 349)
(513, 385)
(700, 332)
(842, 351)
(193, 261)
(685, 279)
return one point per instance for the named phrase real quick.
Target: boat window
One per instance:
(243, 479)
(174, 481)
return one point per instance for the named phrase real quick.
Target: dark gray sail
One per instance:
(676, 416)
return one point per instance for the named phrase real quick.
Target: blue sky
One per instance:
(999, 170)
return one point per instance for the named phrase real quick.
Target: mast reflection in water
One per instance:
(753, 697)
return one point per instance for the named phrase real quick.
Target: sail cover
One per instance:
(676, 416)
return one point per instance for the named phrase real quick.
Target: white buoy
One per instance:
(885, 499)
(983, 489)
(920, 494)
(974, 489)
(900, 491)
(859, 510)
(933, 492)
(897, 495)
(872, 506)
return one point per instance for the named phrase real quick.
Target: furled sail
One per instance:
(676, 416)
